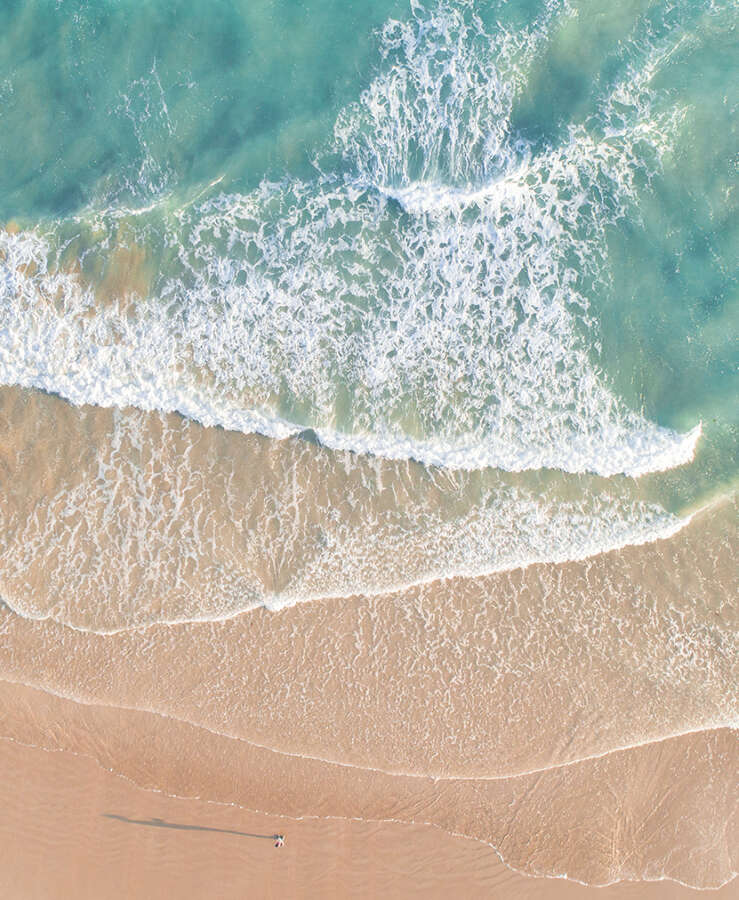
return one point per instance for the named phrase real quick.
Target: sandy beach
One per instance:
(666, 809)
(91, 824)
(569, 720)
(368, 450)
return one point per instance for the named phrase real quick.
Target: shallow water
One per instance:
(122, 518)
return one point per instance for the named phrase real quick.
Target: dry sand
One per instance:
(58, 840)
(665, 808)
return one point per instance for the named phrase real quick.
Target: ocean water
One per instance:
(374, 344)
(490, 238)
(459, 280)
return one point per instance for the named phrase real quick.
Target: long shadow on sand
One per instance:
(160, 823)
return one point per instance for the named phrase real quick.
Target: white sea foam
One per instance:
(156, 520)
(429, 303)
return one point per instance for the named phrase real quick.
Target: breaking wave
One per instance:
(426, 298)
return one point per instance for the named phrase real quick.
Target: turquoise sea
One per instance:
(494, 238)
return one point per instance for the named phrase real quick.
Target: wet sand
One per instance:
(56, 807)
(472, 677)
(570, 719)
(665, 809)
(98, 836)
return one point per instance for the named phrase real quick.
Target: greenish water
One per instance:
(124, 98)
(489, 236)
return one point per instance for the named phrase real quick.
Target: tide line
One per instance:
(731, 724)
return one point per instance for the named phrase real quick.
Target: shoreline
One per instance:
(185, 764)
(191, 859)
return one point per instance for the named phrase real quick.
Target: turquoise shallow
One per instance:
(478, 235)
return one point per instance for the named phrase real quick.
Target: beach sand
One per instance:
(67, 832)
(568, 719)
(665, 808)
